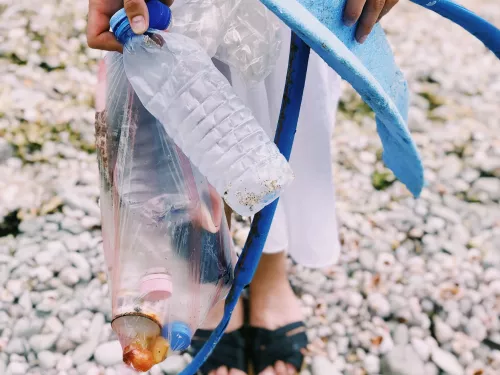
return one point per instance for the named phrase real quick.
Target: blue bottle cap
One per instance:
(178, 334)
(159, 19)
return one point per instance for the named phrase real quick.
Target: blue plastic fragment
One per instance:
(369, 68)
(178, 334)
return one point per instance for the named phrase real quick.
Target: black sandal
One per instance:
(229, 352)
(283, 344)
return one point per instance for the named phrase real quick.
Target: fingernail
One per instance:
(138, 24)
(362, 39)
(349, 22)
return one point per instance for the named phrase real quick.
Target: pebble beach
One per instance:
(417, 287)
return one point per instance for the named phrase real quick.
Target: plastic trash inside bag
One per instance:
(242, 34)
(166, 240)
(252, 42)
(205, 21)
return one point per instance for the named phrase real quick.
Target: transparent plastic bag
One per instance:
(166, 240)
(252, 42)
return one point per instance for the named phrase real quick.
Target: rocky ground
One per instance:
(417, 290)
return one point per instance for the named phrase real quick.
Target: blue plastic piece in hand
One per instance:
(369, 68)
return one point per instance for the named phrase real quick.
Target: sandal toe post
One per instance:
(283, 344)
(230, 352)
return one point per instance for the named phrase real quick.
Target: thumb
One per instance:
(138, 16)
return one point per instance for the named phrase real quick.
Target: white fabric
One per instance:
(305, 223)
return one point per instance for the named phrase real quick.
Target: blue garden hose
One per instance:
(252, 251)
(477, 26)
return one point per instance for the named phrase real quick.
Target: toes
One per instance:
(222, 371)
(268, 371)
(280, 368)
(290, 369)
(234, 371)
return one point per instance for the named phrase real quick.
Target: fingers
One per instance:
(368, 19)
(389, 4)
(368, 13)
(280, 368)
(352, 11)
(98, 34)
(138, 16)
(100, 12)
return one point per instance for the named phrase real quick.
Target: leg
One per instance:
(273, 303)
(215, 315)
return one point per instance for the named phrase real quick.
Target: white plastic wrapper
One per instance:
(252, 43)
(205, 21)
(241, 33)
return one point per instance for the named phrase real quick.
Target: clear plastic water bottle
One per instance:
(165, 236)
(178, 84)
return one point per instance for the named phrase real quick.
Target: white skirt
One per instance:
(305, 223)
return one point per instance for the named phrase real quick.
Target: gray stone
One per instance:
(53, 325)
(402, 360)
(446, 361)
(108, 353)
(17, 345)
(69, 276)
(371, 364)
(72, 225)
(26, 327)
(42, 342)
(17, 368)
(476, 329)
(444, 332)
(31, 226)
(401, 335)
(27, 252)
(64, 363)
(323, 366)
(6, 150)
(82, 265)
(173, 364)
(486, 188)
(47, 360)
(85, 351)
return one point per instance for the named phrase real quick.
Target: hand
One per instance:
(101, 11)
(368, 12)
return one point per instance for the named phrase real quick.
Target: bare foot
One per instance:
(273, 303)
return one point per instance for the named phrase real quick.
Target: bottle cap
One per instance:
(178, 334)
(156, 287)
(159, 19)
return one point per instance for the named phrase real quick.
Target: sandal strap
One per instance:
(229, 352)
(283, 344)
